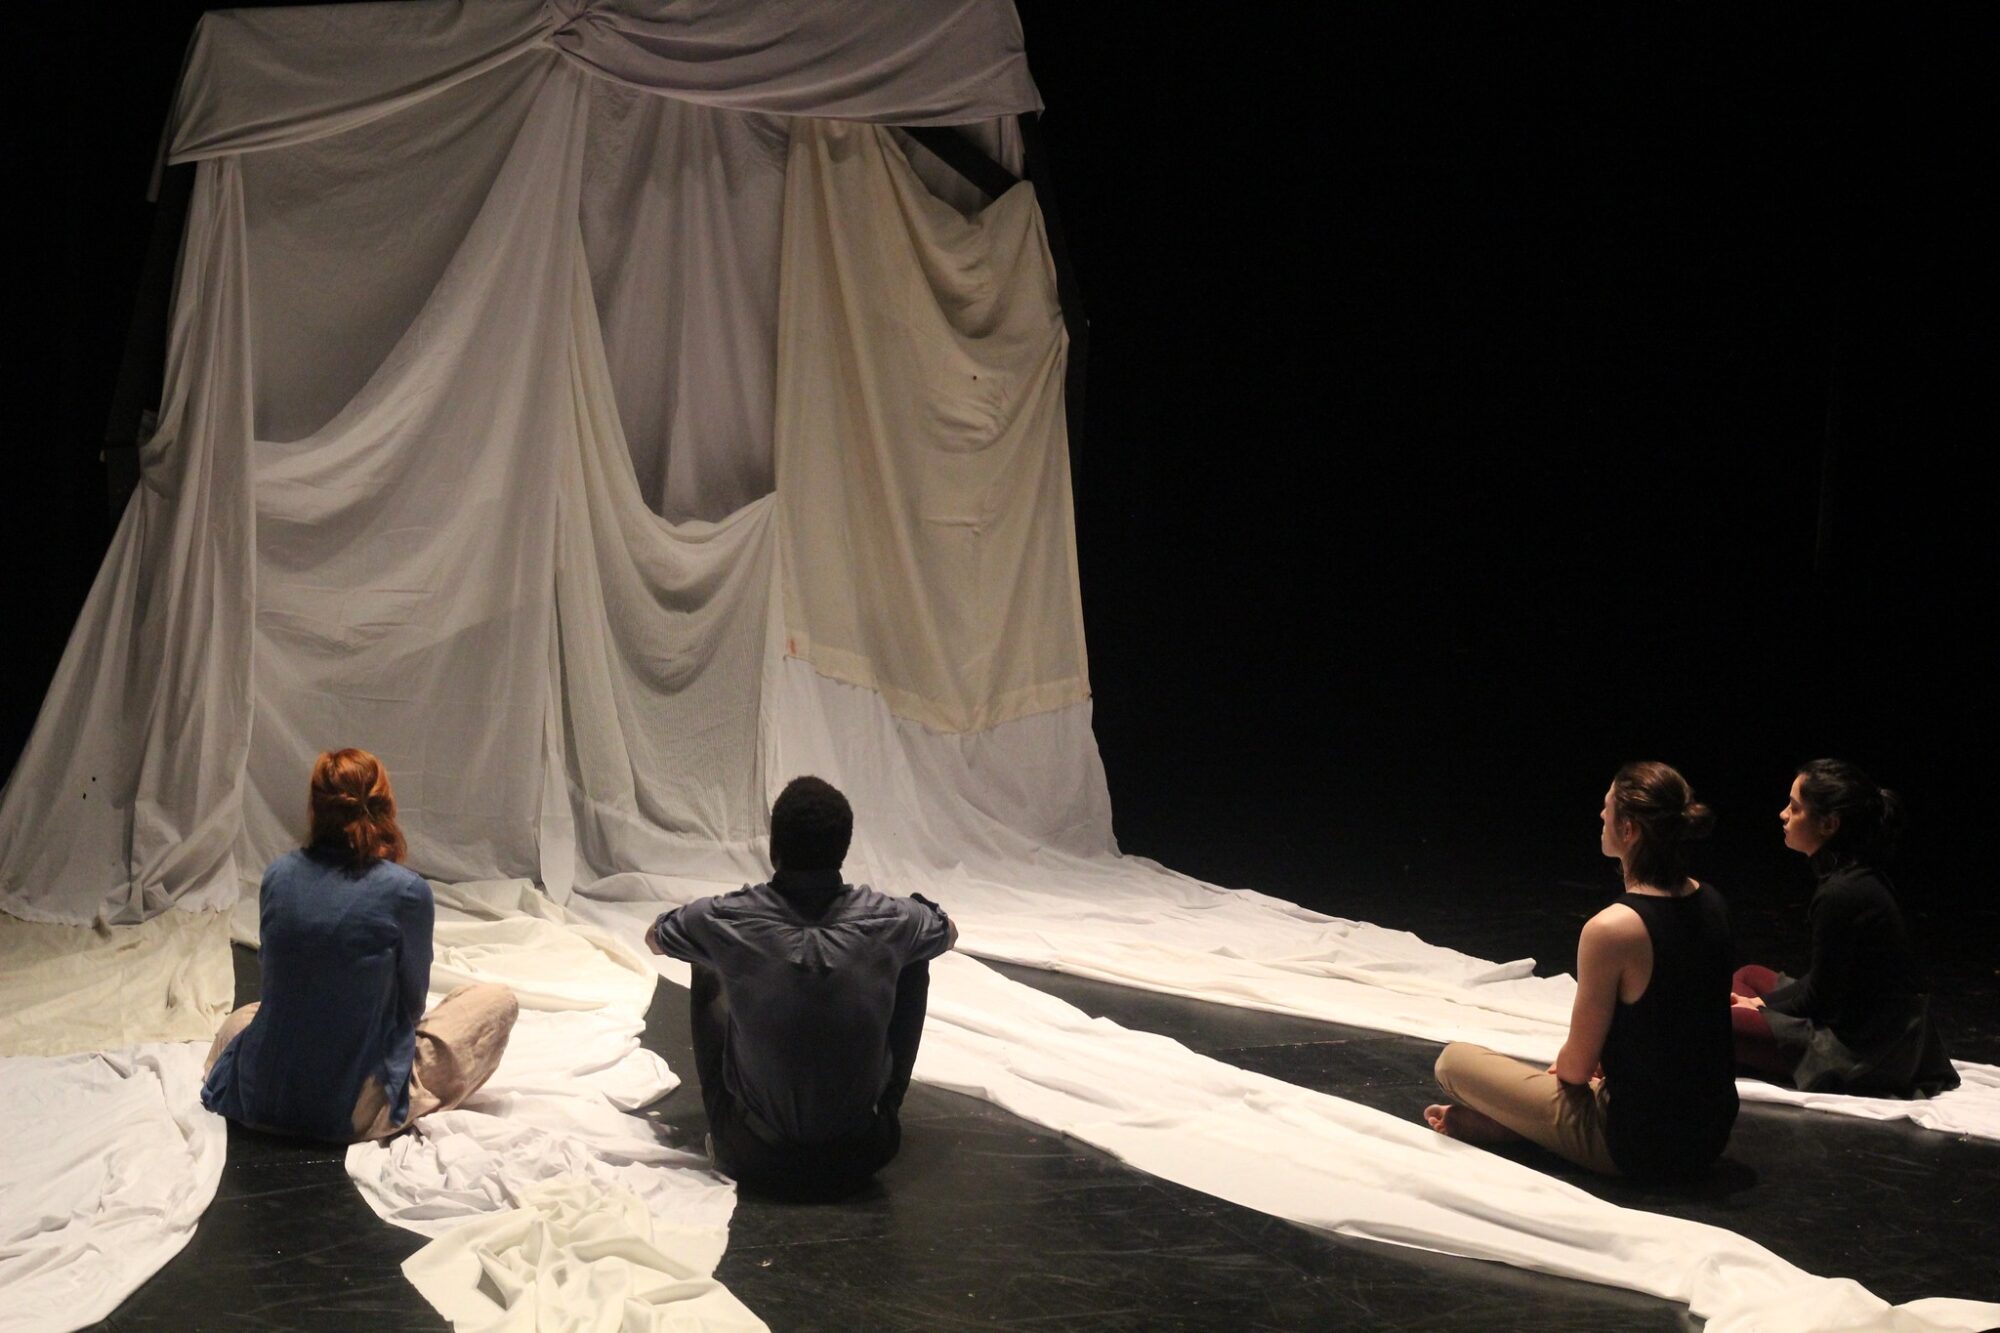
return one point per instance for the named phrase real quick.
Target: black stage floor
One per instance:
(986, 1221)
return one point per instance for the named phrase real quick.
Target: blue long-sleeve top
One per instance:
(347, 965)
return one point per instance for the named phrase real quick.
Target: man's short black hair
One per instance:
(811, 825)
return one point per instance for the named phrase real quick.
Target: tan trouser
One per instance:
(1566, 1119)
(459, 1045)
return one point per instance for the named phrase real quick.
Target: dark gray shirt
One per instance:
(809, 975)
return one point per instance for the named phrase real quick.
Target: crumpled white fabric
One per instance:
(110, 1158)
(109, 1163)
(577, 1256)
(1972, 1108)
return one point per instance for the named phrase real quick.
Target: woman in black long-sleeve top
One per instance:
(1859, 1019)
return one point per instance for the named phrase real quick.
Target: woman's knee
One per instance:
(485, 1004)
(1452, 1062)
(504, 1005)
(1753, 979)
(231, 1027)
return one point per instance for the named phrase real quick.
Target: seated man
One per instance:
(807, 1005)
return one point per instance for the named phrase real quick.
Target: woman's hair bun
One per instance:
(1892, 816)
(1697, 820)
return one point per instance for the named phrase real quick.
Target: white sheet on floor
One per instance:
(1330, 1164)
(109, 1159)
(67, 989)
(109, 1162)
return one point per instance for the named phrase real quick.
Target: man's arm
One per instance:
(936, 932)
(682, 933)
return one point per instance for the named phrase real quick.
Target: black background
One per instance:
(1460, 385)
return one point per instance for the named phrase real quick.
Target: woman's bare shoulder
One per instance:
(1614, 926)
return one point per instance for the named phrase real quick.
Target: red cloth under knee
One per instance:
(1753, 980)
(1756, 1048)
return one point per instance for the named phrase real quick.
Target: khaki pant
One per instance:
(459, 1045)
(1567, 1120)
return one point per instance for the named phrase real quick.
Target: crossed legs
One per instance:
(1496, 1099)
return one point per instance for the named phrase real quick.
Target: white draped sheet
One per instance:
(393, 501)
(923, 463)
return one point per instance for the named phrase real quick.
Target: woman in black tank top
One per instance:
(1644, 1085)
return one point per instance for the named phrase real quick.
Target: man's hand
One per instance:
(653, 938)
(1750, 1002)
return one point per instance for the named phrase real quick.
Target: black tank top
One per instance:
(1669, 1060)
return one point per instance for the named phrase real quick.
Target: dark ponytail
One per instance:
(1871, 816)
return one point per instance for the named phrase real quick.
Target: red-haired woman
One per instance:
(1644, 1085)
(339, 1048)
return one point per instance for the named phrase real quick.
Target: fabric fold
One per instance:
(663, 632)
(919, 62)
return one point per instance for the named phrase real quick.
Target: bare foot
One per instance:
(1464, 1123)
